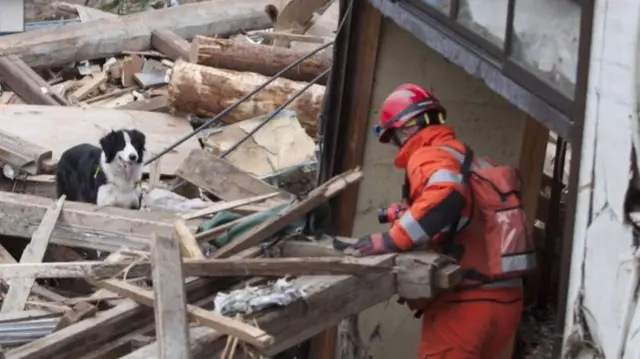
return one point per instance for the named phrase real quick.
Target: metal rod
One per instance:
(245, 97)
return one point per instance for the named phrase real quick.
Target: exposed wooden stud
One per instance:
(170, 44)
(170, 299)
(19, 289)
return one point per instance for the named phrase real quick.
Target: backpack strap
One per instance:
(406, 188)
(449, 246)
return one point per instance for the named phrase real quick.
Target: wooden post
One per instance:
(172, 326)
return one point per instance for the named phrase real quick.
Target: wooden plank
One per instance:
(88, 87)
(81, 225)
(224, 206)
(273, 225)
(26, 315)
(264, 267)
(153, 104)
(188, 244)
(328, 300)
(44, 86)
(7, 258)
(170, 44)
(19, 289)
(82, 337)
(170, 299)
(108, 37)
(57, 128)
(229, 326)
(224, 180)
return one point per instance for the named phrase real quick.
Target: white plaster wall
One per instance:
(485, 120)
(600, 277)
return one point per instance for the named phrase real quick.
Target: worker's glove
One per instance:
(369, 245)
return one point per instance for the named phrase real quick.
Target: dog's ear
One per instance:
(138, 140)
(108, 144)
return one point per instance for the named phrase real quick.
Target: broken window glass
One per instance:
(488, 18)
(545, 40)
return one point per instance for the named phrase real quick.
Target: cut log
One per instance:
(262, 59)
(108, 37)
(206, 91)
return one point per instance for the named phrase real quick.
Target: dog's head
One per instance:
(127, 147)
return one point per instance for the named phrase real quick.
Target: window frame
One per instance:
(501, 57)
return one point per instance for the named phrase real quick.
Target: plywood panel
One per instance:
(59, 128)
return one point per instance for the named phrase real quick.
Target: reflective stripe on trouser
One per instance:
(416, 232)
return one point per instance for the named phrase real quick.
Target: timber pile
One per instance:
(81, 281)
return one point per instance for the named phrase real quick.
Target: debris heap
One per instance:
(228, 253)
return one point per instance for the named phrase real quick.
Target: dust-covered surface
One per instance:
(40, 10)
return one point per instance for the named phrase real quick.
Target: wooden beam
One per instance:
(270, 227)
(25, 156)
(109, 37)
(262, 59)
(223, 179)
(19, 289)
(360, 50)
(170, 44)
(264, 267)
(81, 225)
(83, 337)
(217, 322)
(170, 299)
(22, 84)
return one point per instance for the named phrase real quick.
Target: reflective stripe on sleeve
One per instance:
(445, 175)
(413, 228)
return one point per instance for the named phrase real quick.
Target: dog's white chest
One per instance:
(112, 195)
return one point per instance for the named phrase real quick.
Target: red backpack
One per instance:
(495, 192)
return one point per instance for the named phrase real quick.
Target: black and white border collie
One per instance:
(108, 175)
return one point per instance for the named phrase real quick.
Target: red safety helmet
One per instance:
(407, 102)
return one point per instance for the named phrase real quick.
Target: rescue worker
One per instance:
(448, 187)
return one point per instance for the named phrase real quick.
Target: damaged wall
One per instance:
(490, 124)
(602, 303)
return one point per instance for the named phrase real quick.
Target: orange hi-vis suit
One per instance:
(478, 320)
